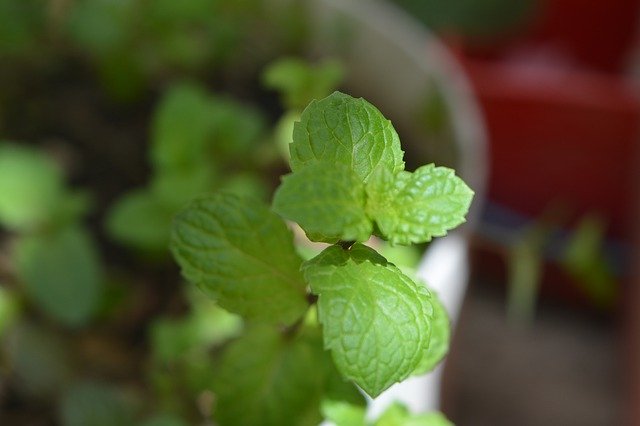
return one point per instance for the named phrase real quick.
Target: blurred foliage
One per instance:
(582, 256)
(199, 143)
(91, 334)
(96, 404)
(585, 260)
(62, 274)
(300, 82)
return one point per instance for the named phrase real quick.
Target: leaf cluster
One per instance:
(380, 326)
(55, 258)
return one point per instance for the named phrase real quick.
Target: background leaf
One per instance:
(265, 379)
(96, 404)
(62, 273)
(31, 187)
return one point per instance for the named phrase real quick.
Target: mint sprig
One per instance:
(347, 182)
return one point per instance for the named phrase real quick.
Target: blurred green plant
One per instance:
(582, 257)
(199, 143)
(53, 254)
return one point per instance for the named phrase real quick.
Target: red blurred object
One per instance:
(563, 121)
(595, 35)
(559, 135)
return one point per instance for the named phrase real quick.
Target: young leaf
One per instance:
(342, 413)
(414, 207)
(299, 82)
(266, 378)
(344, 130)
(182, 126)
(61, 272)
(376, 321)
(139, 219)
(398, 415)
(241, 254)
(440, 336)
(325, 199)
(31, 187)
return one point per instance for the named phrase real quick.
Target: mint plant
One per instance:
(379, 325)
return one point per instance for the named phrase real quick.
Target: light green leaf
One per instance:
(376, 321)
(342, 413)
(267, 378)
(398, 415)
(62, 274)
(141, 221)
(95, 404)
(241, 254)
(414, 207)
(440, 337)
(325, 199)
(31, 187)
(344, 130)
(300, 82)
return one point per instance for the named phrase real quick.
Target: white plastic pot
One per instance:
(394, 62)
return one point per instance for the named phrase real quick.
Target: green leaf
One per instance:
(440, 337)
(299, 81)
(344, 130)
(376, 321)
(141, 221)
(174, 188)
(344, 414)
(241, 254)
(414, 207)
(31, 187)
(325, 199)
(182, 127)
(398, 415)
(266, 378)
(62, 274)
(95, 404)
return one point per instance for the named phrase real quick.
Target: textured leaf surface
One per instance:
(325, 199)
(440, 337)
(241, 254)
(266, 378)
(376, 321)
(414, 207)
(344, 130)
(62, 274)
